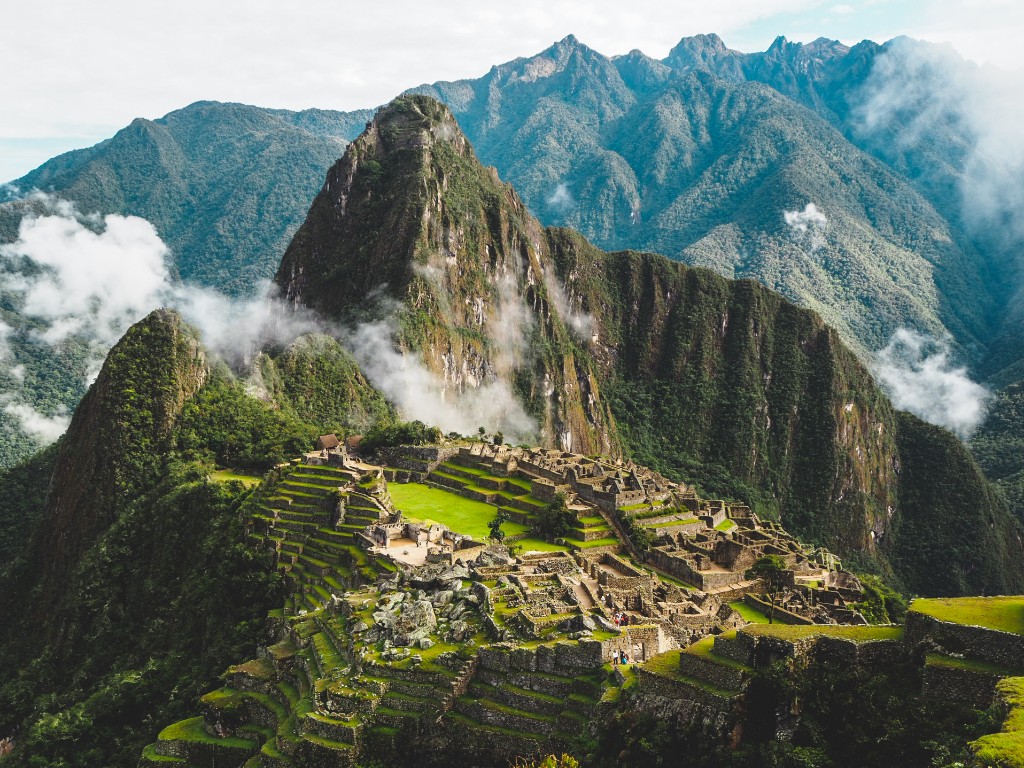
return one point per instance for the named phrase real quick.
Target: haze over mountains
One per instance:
(831, 174)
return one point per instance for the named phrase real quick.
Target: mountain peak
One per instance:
(698, 51)
(414, 121)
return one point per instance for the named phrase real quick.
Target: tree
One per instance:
(551, 761)
(771, 569)
(495, 525)
(498, 439)
(556, 519)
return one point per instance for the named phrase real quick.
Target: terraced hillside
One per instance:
(361, 654)
(511, 495)
(953, 658)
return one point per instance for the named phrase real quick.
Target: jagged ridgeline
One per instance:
(137, 587)
(720, 382)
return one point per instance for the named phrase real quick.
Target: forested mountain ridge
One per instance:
(682, 161)
(722, 382)
(137, 587)
(225, 185)
(710, 156)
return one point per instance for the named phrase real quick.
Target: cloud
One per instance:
(84, 279)
(584, 324)
(916, 371)
(80, 280)
(509, 326)
(421, 394)
(920, 92)
(808, 224)
(561, 199)
(45, 429)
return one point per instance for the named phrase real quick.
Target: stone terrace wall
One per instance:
(664, 697)
(975, 689)
(560, 659)
(991, 645)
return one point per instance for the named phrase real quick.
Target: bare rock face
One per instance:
(412, 231)
(415, 622)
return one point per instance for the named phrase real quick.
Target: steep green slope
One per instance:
(999, 445)
(962, 538)
(225, 185)
(21, 502)
(636, 154)
(728, 383)
(909, 104)
(137, 588)
(711, 380)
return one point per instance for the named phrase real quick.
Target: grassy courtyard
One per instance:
(1002, 613)
(748, 612)
(421, 503)
(859, 634)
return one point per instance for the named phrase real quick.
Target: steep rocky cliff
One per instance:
(410, 229)
(720, 382)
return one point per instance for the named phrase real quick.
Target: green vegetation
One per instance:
(226, 425)
(860, 634)
(555, 520)
(192, 730)
(998, 445)
(972, 665)
(771, 570)
(228, 475)
(402, 433)
(157, 591)
(22, 493)
(748, 613)
(1003, 613)
(423, 502)
(949, 496)
(641, 537)
(1005, 748)
(881, 603)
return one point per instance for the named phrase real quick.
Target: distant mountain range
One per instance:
(699, 156)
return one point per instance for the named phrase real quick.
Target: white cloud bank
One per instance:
(85, 279)
(917, 373)
(917, 89)
(807, 225)
(421, 394)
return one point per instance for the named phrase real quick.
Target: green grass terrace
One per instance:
(226, 475)
(1005, 614)
(859, 634)
(423, 503)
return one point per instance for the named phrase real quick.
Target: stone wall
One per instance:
(640, 642)
(781, 614)
(976, 689)
(676, 700)
(568, 658)
(991, 645)
(721, 676)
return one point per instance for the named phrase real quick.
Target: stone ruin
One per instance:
(417, 543)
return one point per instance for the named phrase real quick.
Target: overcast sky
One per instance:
(75, 72)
